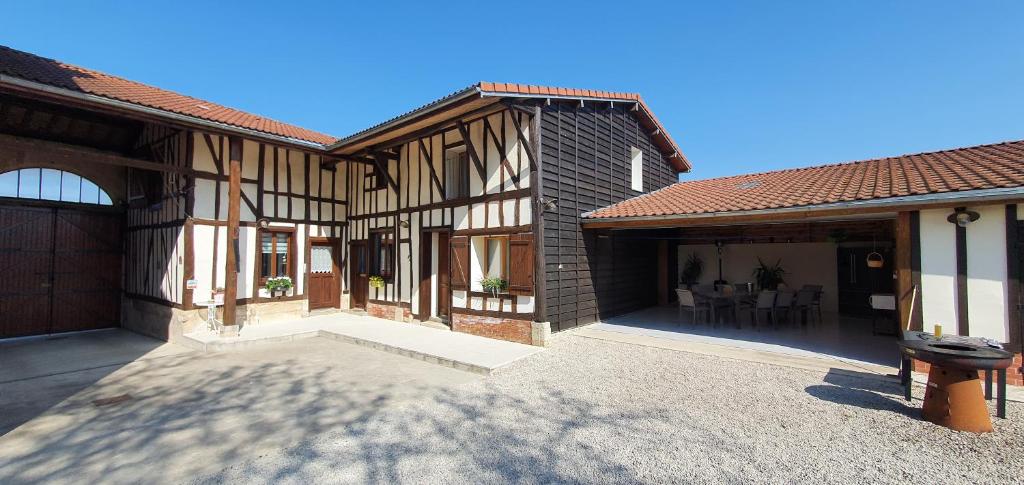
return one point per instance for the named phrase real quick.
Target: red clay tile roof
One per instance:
(58, 74)
(981, 167)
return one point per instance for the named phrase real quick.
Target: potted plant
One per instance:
(494, 285)
(692, 269)
(279, 286)
(769, 277)
(376, 281)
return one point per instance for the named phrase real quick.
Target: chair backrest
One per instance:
(705, 289)
(766, 299)
(784, 299)
(685, 297)
(741, 289)
(804, 297)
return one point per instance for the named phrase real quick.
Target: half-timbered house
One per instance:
(125, 204)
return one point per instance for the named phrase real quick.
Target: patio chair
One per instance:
(783, 303)
(816, 301)
(765, 303)
(803, 303)
(694, 305)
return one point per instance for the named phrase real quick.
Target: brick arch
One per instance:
(110, 178)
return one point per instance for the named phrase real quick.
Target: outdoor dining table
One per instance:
(719, 298)
(953, 397)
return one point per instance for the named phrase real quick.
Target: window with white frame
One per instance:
(456, 173)
(51, 184)
(636, 169)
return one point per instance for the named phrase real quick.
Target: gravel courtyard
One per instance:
(595, 411)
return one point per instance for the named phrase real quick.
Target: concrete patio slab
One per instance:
(31, 357)
(437, 346)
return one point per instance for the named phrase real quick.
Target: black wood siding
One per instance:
(586, 164)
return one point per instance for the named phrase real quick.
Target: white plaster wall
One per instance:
(986, 274)
(938, 271)
(203, 242)
(805, 263)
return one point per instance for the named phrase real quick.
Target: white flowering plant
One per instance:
(282, 283)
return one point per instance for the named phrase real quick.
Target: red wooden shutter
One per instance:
(520, 281)
(460, 263)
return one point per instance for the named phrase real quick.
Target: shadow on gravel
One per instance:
(863, 390)
(865, 381)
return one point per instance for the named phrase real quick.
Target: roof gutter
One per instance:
(114, 103)
(982, 195)
(466, 93)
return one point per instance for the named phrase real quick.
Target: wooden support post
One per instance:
(904, 282)
(540, 300)
(231, 265)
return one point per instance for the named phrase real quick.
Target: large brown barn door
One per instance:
(26, 259)
(62, 270)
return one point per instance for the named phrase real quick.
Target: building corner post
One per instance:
(540, 313)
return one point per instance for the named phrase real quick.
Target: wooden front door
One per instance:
(429, 257)
(359, 267)
(62, 270)
(324, 274)
(444, 286)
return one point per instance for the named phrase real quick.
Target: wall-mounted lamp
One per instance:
(404, 224)
(548, 205)
(262, 223)
(963, 217)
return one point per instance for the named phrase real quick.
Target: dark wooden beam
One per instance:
(473, 155)
(1013, 271)
(30, 150)
(231, 265)
(532, 152)
(430, 165)
(540, 300)
(382, 170)
(963, 326)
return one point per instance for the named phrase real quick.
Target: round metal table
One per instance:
(954, 397)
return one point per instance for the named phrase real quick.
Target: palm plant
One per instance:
(692, 269)
(769, 277)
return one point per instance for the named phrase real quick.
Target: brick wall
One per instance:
(494, 327)
(389, 312)
(1013, 374)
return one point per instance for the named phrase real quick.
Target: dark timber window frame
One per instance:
(289, 255)
(453, 168)
(382, 253)
(375, 180)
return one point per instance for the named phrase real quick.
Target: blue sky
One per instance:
(741, 86)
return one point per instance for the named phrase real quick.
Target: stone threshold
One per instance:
(469, 353)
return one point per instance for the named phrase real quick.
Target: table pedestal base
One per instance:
(953, 399)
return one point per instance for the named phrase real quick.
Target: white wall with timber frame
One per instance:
(498, 203)
(293, 189)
